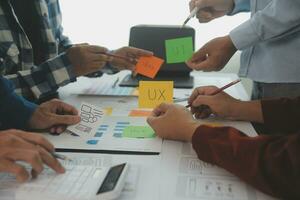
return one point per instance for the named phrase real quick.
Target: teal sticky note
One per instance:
(179, 50)
(138, 132)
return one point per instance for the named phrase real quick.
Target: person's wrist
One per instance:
(235, 108)
(230, 45)
(191, 130)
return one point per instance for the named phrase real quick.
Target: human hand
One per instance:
(211, 9)
(133, 54)
(213, 56)
(87, 59)
(221, 104)
(54, 114)
(31, 148)
(173, 122)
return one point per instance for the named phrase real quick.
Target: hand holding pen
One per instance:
(207, 10)
(208, 100)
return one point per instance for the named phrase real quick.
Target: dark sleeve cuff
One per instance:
(281, 114)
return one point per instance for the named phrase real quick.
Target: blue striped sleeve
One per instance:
(15, 111)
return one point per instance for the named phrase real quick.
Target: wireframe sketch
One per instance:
(89, 114)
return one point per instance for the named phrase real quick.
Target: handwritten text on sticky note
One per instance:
(138, 132)
(179, 50)
(149, 66)
(153, 93)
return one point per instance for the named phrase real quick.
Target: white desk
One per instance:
(174, 174)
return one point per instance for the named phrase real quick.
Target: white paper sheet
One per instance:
(184, 176)
(108, 136)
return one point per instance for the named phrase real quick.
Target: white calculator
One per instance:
(78, 183)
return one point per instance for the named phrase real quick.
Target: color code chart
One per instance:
(119, 128)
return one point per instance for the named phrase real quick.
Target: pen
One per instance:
(221, 89)
(180, 100)
(115, 83)
(192, 14)
(60, 156)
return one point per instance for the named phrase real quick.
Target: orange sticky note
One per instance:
(140, 113)
(149, 66)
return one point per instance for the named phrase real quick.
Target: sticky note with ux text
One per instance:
(179, 50)
(153, 93)
(149, 66)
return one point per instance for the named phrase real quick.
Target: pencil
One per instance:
(221, 89)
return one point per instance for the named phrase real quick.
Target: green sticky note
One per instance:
(179, 50)
(138, 132)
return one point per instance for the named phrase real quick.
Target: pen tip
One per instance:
(185, 22)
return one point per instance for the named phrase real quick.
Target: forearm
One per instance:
(269, 163)
(247, 111)
(45, 79)
(278, 19)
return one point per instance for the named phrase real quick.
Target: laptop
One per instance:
(152, 38)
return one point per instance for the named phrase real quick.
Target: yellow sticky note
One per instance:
(153, 93)
(213, 124)
(108, 110)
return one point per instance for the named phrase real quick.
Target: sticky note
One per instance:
(138, 132)
(140, 113)
(109, 111)
(149, 66)
(153, 93)
(213, 124)
(179, 50)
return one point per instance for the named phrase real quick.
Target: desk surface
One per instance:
(176, 173)
(215, 78)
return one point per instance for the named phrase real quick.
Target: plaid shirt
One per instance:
(16, 54)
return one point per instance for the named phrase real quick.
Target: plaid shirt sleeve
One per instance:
(43, 80)
(64, 41)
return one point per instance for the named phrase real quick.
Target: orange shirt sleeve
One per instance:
(269, 163)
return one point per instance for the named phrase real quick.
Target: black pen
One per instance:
(115, 83)
(60, 156)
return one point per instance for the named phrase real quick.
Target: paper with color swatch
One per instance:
(153, 93)
(112, 133)
(179, 50)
